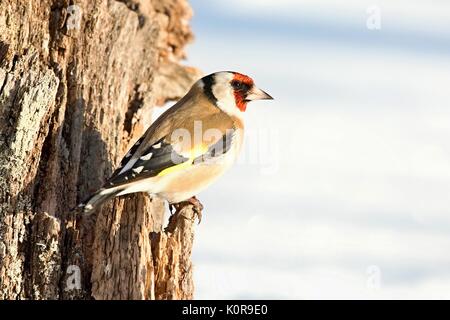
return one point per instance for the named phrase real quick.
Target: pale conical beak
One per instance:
(257, 94)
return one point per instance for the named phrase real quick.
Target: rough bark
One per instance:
(73, 99)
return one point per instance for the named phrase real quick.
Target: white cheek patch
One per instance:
(224, 94)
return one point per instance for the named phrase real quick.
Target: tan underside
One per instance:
(183, 184)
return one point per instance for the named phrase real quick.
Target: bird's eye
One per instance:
(240, 86)
(236, 85)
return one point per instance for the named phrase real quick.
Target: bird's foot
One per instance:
(197, 207)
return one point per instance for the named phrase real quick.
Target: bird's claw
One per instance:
(197, 207)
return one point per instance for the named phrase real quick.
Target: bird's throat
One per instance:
(240, 100)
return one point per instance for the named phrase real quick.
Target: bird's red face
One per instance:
(241, 85)
(245, 90)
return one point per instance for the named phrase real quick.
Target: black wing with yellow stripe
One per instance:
(154, 159)
(161, 158)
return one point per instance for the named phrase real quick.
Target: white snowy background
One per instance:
(343, 188)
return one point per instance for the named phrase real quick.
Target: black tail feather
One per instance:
(92, 203)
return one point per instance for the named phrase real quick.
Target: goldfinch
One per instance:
(188, 146)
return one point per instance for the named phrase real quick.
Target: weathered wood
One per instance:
(73, 99)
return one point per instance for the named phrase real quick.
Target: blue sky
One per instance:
(343, 187)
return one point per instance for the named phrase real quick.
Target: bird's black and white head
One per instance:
(231, 91)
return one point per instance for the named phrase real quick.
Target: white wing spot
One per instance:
(147, 156)
(157, 146)
(138, 169)
(128, 154)
(88, 207)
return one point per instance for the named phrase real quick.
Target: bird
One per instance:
(188, 147)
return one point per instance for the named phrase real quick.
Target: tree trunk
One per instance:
(77, 86)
